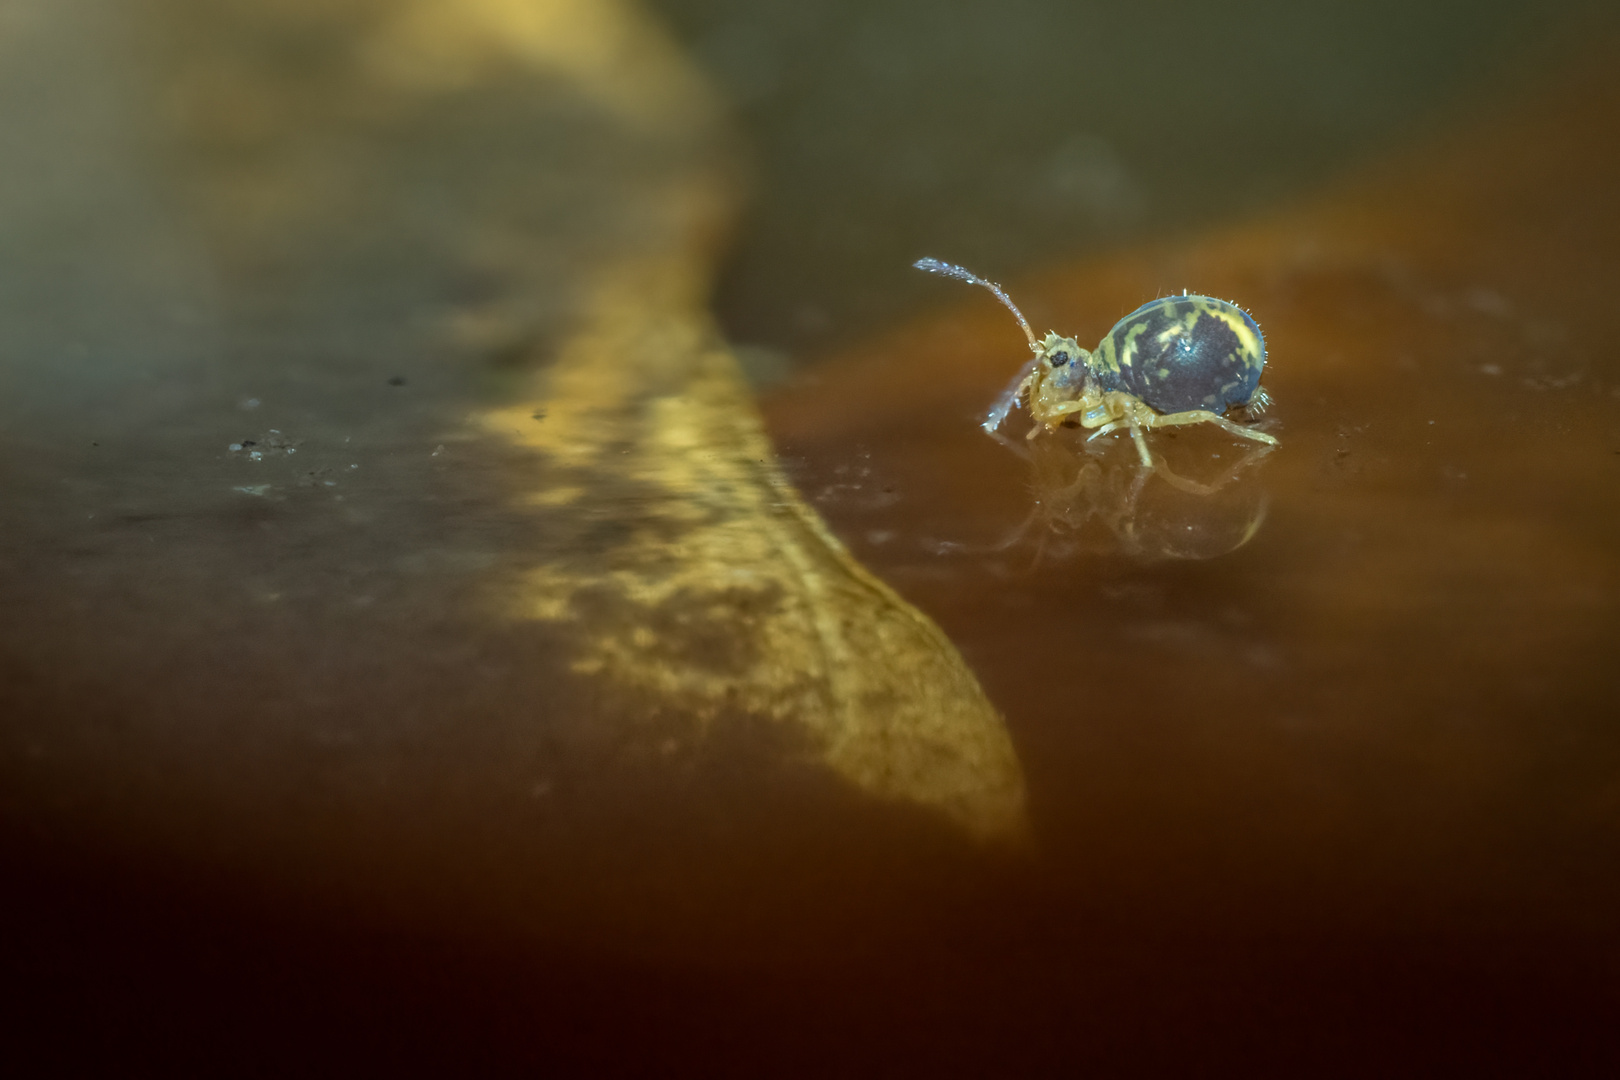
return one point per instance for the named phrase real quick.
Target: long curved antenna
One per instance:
(950, 270)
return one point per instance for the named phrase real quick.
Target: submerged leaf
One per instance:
(724, 593)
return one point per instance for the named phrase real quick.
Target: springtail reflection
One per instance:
(1095, 501)
(1088, 500)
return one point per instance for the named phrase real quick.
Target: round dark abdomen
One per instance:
(1189, 352)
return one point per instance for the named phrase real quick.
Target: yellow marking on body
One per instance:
(1131, 335)
(1246, 336)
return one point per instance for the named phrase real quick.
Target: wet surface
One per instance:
(388, 530)
(414, 654)
(1388, 702)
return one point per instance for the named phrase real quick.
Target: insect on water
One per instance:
(1176, 360)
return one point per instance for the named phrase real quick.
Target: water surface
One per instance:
(415, 653)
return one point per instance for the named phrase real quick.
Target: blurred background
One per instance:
(1001, 135)
(499, 571)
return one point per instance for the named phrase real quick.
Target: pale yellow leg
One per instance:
(1204, 416)
(1053, 416)
(1141, 443)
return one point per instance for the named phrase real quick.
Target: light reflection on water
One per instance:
(1397, 685)
(1196, 504)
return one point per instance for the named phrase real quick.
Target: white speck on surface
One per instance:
(292, 449)
(255, 456)
(235, 446)
(249, 404)
(254, 489)
(1490, 369)
(437, 450)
